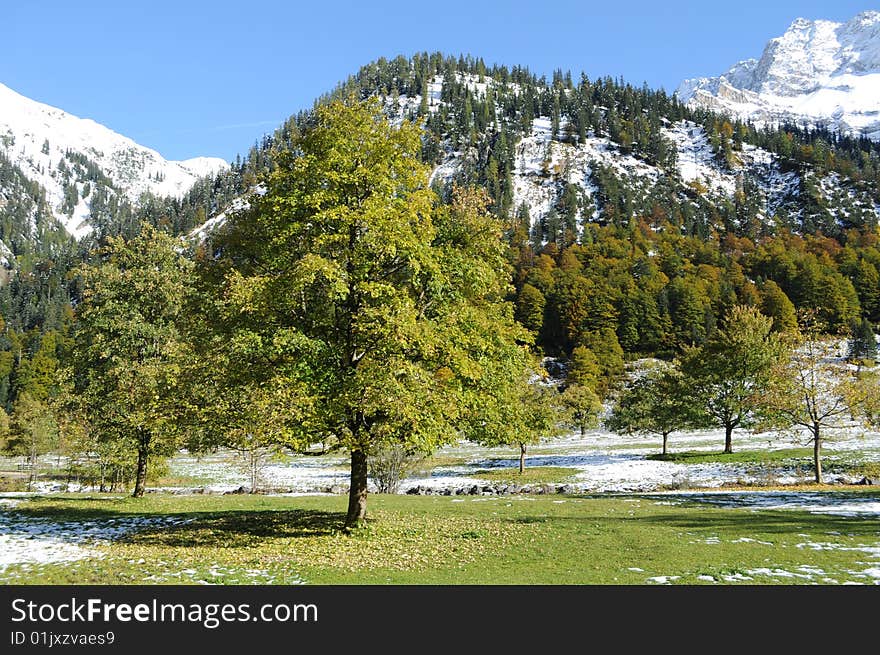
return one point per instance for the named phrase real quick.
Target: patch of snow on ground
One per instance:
(873, 551)
(777, 573)
(834, 503)
(30, 540)
(601, 462)
(748, 540)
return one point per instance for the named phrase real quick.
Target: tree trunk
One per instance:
(728, 439)
(357, 494)
(522, 458)
(817, 454)
(583, 430)
(665, 437)
(140, 478)
(32, 461)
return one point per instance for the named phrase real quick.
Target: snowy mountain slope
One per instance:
(69, 157)
(241, 203)
(545, 165)
(817, 73)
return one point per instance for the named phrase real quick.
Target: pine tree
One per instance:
(862, 345)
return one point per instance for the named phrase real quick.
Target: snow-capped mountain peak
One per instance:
(62, 152)
(818, 72)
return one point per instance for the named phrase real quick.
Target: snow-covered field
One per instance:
(606, 462)
(602, 461)
(28, 540)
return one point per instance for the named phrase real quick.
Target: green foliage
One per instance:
(32, 429)
(4, 431)
(530, 308)
(730, 374)
(862, 346)
(129, 347)
(609, 357)
(776, 305)
(583, 368)
(355, 289)
(532, 412)
(582, 407)
(655, 402)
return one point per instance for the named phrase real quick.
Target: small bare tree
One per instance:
(389, 465)
(817, 391)
(253, 454)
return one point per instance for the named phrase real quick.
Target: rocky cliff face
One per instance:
(818, 73)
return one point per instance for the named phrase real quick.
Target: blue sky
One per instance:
(197, 77)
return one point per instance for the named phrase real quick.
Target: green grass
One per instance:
(424, 467)
(866, 469)
(536, 475)
(13, 483)
(448, 540)
(788, 455)
(172, 480)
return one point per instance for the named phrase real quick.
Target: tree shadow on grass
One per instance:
(63, 513)
(737, 522)
(242, 529)
(780, 522)
(234, 528)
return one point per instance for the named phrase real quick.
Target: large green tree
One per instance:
(654, 403)
(727, 376)
(384, 307)
(129, 345)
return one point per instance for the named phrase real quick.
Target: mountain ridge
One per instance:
(818, 73)
(68, 155)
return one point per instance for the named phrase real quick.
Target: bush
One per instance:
(388, 465)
